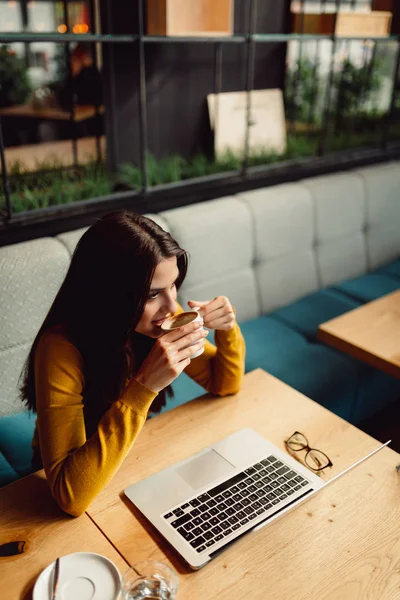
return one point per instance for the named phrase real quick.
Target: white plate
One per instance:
(82, 576)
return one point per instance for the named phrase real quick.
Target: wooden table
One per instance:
(32, 117)
(28, 513)
(81, 113)
(59, 152)
(343, 544)
(370, 333)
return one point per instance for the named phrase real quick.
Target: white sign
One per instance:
(228, 118)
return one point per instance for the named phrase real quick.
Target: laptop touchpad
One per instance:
(204, 469)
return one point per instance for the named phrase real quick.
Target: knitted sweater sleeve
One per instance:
(77, 468)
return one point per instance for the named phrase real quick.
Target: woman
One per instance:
(101, 362)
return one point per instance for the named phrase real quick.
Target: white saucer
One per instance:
(82, 576)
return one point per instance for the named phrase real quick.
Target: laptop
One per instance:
(204, 503)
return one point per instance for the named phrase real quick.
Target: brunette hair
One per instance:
(100, 303)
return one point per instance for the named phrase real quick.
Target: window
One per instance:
(127, 117)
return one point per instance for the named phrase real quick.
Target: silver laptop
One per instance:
(205, 502)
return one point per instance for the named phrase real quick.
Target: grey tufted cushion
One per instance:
(30, 276)
(159, 220)
(339, 206)
(71, 238)
(283, 221)
(382, 193)
(246, 304)
(218, 236)
(12, 361)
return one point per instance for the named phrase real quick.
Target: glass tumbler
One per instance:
(149, 580)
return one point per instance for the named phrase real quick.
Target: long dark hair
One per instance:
(100, 303)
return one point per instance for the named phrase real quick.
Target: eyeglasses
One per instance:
(315, 459)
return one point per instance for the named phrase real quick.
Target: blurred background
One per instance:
(122, 103)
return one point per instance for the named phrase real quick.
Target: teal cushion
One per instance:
(319, 373)
(376, 391)
(7, 473)
(323, 376)
(184, 389)
(269, 341)
(307, 314)
(392, 270)
(16, 433)
(368, 287)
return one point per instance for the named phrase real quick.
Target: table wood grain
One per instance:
(60, 152)
(29, 513)
(370, 333)
(81, 113)
(344, 543)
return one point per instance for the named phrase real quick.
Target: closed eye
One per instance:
(155, 293)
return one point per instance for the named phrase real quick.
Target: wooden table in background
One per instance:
(370, 333)
(81, 113)
(65, 153)
(343, 544)
(59, 152)
(28, 513)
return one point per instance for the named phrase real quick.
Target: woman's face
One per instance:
(161, 302)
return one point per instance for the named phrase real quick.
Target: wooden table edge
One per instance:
(361, 354)
(54, 113)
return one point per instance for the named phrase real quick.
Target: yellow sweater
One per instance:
(77, 468)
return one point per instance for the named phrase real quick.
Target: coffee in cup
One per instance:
(183, 318)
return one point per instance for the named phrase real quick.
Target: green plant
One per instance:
(53, 186)
(199, 167)
(354, 87)
(303, 89)
(165, 170)
(369, 136)
(14, 83)
(130, 175)
(176, 168)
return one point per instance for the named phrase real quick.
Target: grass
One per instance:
(53, 184)
(373, 137)
(176, 168)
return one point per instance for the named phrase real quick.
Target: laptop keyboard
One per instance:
(215, 514)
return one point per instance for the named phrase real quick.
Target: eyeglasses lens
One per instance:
(297, 441)
(316, 460)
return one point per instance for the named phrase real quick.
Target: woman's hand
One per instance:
(217, 313)
(170, 355)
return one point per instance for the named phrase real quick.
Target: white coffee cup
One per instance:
(183, 318)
